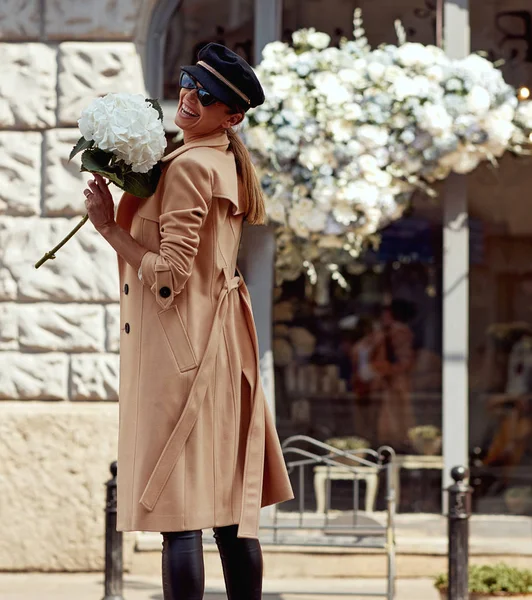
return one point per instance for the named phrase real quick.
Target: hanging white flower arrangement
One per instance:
(348, 134)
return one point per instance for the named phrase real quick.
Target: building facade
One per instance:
(459, 270)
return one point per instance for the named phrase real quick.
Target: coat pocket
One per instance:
(177, 338)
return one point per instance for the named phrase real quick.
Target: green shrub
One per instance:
(488, 579)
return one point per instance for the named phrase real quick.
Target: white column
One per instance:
(256, 260)
(257, 255)
(455, 279)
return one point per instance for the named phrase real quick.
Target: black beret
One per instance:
(227, 76)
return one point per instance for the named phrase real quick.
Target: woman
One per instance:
(393, 361)
(197, 444)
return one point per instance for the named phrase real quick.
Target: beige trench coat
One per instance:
(197, 444)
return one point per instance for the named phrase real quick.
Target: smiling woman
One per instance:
(197, 444)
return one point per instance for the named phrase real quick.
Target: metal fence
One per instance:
(310, 461)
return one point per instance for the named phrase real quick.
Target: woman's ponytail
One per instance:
(255, 211)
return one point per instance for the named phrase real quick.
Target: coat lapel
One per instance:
(148, 208)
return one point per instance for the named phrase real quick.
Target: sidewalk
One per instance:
(89, 586)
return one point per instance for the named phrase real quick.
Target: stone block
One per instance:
(94, 376)
(20, 172)
(63, 181)
(84, 270)
(20, 20)
(54, 462)
(112, 325)
(28, 79)
(33, 376)
(91, 69)
(61, 327)
(8, 286)
(8, 326)
(99, 19)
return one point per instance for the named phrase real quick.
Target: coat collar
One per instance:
(149, 210)
(216, 140)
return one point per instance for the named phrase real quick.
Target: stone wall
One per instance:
(59, 325)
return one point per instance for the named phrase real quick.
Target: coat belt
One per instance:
(254, 459)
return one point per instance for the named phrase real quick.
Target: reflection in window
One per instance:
(335, 17)
(504, 31)
(364, 363)
(196, 23)
(501, 340)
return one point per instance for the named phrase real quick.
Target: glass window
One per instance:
(365, 361)
(501, 290)
(335, 17)
(196, 23)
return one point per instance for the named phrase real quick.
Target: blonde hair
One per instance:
(255, 211)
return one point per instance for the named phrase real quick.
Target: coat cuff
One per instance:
(156, 275)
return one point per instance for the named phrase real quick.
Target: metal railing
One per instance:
(308, 458)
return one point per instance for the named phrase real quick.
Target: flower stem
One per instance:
(51, 254)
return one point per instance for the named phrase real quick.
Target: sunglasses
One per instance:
(205, 97)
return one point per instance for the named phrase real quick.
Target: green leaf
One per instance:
(97, 161)
(82, 144)
(155, 103)
(142, 185)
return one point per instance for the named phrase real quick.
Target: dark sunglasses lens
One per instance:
(186, 81)
(205, 98)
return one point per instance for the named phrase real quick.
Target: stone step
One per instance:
(421, 548)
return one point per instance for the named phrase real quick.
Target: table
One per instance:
(413, 462)
(369, 474)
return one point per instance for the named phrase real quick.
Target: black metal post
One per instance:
(458, 529)
(113, 543)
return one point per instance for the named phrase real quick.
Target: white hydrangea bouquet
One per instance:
(348, 134)
(123, 140)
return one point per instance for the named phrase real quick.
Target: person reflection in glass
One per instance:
(392, 363)
(363, 379)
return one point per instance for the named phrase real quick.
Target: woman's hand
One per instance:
(99, 203)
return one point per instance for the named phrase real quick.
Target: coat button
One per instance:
(165, 292)
(126, 289)
(127, 327)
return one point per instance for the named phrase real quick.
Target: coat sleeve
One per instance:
(186, 199)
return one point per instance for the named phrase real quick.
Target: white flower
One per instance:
(282, 86)
(318, 40)
(311, 37)
(313, 156)
(259, 138)
(461, 161)
(372, 136)
(411, 55)
(360, 192)
(435, 73)
(499, 132)
(329, 85)
(434, 119)
(478, 100)
(376, 71)
(126, 125)
(306, 217)
(341, 130)
(352, 111)
(276, 210)
(343, 212)
(354, 76)
(524, 114)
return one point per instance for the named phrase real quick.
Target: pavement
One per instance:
(89, 586)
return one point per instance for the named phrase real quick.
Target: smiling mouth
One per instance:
(187, 112)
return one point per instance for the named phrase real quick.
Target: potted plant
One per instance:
(348, 444)
(493, 581)
(426, 439)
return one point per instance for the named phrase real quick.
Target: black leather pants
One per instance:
(183, 569)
